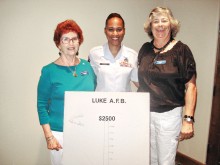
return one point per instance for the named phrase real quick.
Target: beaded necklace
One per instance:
(162, 48)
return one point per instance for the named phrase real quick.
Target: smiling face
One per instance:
(161, 27)
(114, 31)
(69, 44)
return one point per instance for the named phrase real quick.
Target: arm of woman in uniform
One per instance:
(136, 84)
(187, 130)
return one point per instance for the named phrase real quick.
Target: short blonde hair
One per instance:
(175, 25)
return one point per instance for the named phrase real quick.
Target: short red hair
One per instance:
(66, 27)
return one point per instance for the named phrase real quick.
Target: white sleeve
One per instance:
(93, 62)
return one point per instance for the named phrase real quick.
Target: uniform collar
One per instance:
(107, 53)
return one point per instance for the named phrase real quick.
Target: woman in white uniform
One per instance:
(115, 65)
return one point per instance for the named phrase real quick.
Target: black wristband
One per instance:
(189, 118)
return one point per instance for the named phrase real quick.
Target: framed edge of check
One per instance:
(106, 128)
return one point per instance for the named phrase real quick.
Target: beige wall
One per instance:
(26, 45)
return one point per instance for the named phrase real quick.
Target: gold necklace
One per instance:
(72, 71)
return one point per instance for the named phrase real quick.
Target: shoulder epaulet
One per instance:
(97, 48)
(131, 50)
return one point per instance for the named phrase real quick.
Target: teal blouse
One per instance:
(54, 81)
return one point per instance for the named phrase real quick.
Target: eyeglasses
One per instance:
(111, 30)
(66, 40)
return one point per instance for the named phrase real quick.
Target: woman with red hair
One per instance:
(67, 73)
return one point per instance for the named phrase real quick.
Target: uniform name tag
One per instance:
(104, 64)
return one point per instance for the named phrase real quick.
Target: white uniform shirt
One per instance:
(112, 75)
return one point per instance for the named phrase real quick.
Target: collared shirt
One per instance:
(114, 74)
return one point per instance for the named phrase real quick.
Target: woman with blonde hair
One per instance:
(167, 70)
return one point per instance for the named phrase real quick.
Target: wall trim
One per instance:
(182, 159)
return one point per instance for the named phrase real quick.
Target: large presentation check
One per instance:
(106, 128)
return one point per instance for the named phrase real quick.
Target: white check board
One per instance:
(106, 128)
